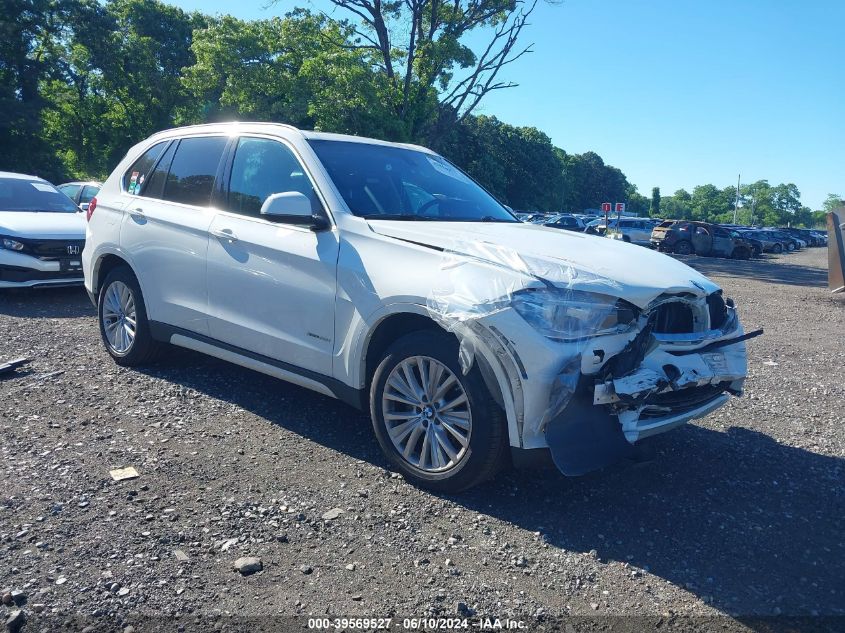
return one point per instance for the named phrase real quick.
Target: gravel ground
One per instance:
(740, 514)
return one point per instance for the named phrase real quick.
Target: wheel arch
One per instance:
(396, 321)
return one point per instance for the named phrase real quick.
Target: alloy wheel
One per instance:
(427, 414)
(119, 317)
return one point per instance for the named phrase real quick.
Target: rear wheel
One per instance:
(122, 314)
(684, 247)
(440, 428)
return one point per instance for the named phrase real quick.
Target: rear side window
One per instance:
(263, 167)
(70, 191)
(88, 193)
(135, 175)
(192, 172)
(155, 183)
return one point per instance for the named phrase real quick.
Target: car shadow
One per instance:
(767, 268)
(752, 526)
(52, 303)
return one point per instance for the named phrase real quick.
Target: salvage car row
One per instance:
(685, 237)
(380, 274)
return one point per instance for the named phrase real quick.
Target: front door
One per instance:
(702, 240)
(271, 286)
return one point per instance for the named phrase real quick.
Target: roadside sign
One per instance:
(605, 206)
(620, 207)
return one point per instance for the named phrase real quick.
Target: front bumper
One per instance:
(590, 402)
(20, 270)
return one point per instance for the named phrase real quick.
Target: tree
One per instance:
(287, 70)
(832, 202)
(654, 209)
(519, 165)
(436, 80)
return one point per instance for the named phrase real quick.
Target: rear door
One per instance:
(723, 243)
(271, 286)
(165, 229)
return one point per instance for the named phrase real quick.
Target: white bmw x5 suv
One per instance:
(380, 274)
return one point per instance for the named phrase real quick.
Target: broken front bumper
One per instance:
(590, 402)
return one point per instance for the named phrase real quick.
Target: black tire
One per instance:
(487, 449)
(143, 349)
(684, 247)
(777, 249)
(741, 253)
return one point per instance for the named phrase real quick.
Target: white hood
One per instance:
(639, 274)
(45, 225)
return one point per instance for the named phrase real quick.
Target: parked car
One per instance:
(566, 222)
(790, 243)
(634, 230)
(768, 242)
(803, 235)
(42, 234)
(701, 238)
(81, 192)
(380, 274)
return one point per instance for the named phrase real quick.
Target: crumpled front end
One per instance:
(581, 370)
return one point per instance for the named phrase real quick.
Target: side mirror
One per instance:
(292, 207)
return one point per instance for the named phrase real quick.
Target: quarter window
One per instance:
(141, 168)
(192, 172)
(261, 168)
(88, 193)
(70, 191)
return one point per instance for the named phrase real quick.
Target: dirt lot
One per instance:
(740, 514)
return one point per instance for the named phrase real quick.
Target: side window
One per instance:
(88, 193)
(141, 168)
(155, 183)
(263, 167)
(70, 191)
(192, 172)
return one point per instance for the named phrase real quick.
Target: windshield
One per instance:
(23, 194)
(394, 183)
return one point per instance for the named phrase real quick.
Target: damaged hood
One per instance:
(47, 225)
(638, 275)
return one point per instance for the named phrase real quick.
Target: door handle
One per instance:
(224, 234)
(138, 211)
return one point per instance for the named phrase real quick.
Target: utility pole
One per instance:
(736, 203)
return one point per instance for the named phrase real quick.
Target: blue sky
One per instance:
(677, 93)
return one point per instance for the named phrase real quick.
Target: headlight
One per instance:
(573, 314)
(12, 245)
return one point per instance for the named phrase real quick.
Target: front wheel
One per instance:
(122, 314)
(777, 249)
(440, 428)
(683, 248)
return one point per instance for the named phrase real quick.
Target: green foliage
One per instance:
(81, 81)
(654, 208)
(516, 164)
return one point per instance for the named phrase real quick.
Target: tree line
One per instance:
(81, 81)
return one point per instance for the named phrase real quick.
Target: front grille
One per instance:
(673, 317)
(51, 249)
(718, 310)
(677, 402)
(18, 275)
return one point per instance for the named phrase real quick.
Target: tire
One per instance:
(777, 249)
(684, 247)
(141, 349)
(485, 437)
(741, 253)
(790, 246)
